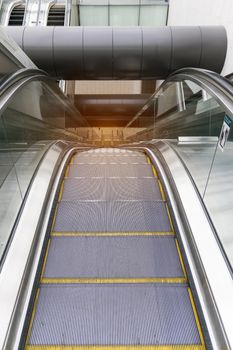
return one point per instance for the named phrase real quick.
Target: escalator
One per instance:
(113, 274)
(111, 247)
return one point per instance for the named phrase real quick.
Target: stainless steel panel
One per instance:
(12, 282)
(210, 273)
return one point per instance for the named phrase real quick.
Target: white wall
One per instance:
(205, 12)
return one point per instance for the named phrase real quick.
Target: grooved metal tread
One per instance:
(110, 170)
(100, 286)
(111, 189)
(112, 216)
(96, 159)
(110, 151)
(113, 257)
(133, 314)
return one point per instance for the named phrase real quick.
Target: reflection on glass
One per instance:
(124, 15)
(190, 120)
(35, 117)
(153, 15)
(93, 15)
(219, 195)
(123, 12)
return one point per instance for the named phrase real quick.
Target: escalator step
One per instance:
(110, 170)
(113, 257)
(112, 216)
(108, 315)
(111, 189)
(97, 159)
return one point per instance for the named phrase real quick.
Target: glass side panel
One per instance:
(124, 15)
(190, 120)
(219, 196)
(93, 15)
(153, 15)
(34, 118)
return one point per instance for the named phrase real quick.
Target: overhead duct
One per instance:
(122, 52)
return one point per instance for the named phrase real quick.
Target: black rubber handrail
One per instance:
(8, 80)
(223, 87)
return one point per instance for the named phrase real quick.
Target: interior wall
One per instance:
(205, 12)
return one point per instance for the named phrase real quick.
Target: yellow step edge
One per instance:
(112, 280)
(154, 171)
(181, 258)
(169, 217)
(67, 170)
(116, 347)
(196, 317)
(32, 316)
(61, 191)
(161, 190)
(45, 258)
(109, 234)
(54, 217)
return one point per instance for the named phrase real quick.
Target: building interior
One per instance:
(116, 175)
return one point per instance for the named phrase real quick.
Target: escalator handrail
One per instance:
(220, 87)
(7, 81)
(26, 75)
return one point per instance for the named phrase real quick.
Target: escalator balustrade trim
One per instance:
(113, 289)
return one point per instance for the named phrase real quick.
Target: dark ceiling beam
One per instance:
(76, 53)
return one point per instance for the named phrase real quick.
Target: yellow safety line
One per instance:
(154, 171)
(45, 258)
(109, 234)
(181, 259)
(116, 347)
(61, 191)
(161, 190)
(67, 170)
(54, 217)
(148, 160)
(169, 217)
(33, 315)
(196, 317)
(112, 280)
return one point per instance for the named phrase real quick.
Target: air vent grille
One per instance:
(17, 16)
(56, 16)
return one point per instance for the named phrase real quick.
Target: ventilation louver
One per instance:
(56, 16)
(17, 16)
